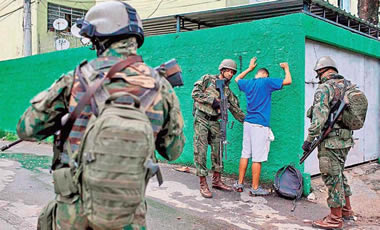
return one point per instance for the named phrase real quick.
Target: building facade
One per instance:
(44, 36)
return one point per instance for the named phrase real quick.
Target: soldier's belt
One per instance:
(206, 116)
(339, 132)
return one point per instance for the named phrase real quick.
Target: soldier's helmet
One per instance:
(112, 19)
(325, 62)
(228, 64)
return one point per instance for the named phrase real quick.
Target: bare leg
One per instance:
(256, 170)
(242, 169)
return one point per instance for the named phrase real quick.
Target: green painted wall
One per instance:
(272, 40)
(22, 78)
(200, 52)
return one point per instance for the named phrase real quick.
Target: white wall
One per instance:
(361, 70)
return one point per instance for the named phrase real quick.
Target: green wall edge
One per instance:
(272, 40)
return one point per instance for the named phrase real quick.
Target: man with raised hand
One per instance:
(257, 134)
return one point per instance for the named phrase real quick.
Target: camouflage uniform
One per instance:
(206, 125)
(332, 152)
(43, 118)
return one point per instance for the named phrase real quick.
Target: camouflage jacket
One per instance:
(43, 117)
(204, 93)
(324, 98)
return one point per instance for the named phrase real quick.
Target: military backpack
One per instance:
(354, 114)
(114, 160)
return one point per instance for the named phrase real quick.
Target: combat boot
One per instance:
(331, 221)
(218, 184)
(347, 212)
(205, 191)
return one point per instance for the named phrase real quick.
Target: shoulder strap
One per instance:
(344, 89)
(278, 176)
(85, 72)
(90, 92)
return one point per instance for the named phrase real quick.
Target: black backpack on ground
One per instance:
(288, 183)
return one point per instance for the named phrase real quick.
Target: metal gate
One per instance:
(361, 70)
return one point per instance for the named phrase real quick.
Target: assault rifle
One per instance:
(173, 74)
(335, 113)
(220, 84)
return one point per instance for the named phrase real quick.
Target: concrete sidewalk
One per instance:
(26, 186)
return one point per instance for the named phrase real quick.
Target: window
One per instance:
(345, 5)
(70, 14)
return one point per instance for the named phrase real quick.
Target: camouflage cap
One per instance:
(325, 62)
(228, 64)
(112, 18)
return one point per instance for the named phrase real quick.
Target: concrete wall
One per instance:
(11, 27)
(272, 40)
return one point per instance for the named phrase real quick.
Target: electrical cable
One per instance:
(154, 11)
(13, 11)
(7, 5)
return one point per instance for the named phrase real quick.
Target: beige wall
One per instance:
(11, 28)
(157, 8)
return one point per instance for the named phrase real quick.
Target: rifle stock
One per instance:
(173, 72)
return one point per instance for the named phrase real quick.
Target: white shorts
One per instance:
(256, 142)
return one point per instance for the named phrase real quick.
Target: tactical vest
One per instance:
(210, 90)
(79, 88)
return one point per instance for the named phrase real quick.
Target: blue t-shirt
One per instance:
(258, 93)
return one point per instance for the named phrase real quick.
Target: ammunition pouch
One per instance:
(46, 219)
(64, 183)
(328, 166)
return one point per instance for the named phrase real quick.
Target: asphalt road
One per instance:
(26, 186)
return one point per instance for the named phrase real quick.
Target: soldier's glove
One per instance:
(306, 146)
(215, 104)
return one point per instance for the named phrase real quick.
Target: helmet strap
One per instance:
(319, 74)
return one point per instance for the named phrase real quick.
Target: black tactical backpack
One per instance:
(288, 183)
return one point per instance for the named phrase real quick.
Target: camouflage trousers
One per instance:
(70, 216)
(331, 165)
(206, 133)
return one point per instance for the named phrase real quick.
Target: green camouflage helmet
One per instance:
(325, 62)
(228, 64)
(111, 19)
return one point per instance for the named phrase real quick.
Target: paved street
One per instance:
(26, 186)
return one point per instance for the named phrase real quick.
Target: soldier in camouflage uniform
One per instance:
(206, 126)
(115, 30)
(332, 152)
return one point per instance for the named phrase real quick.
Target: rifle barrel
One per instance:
(5, 147)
